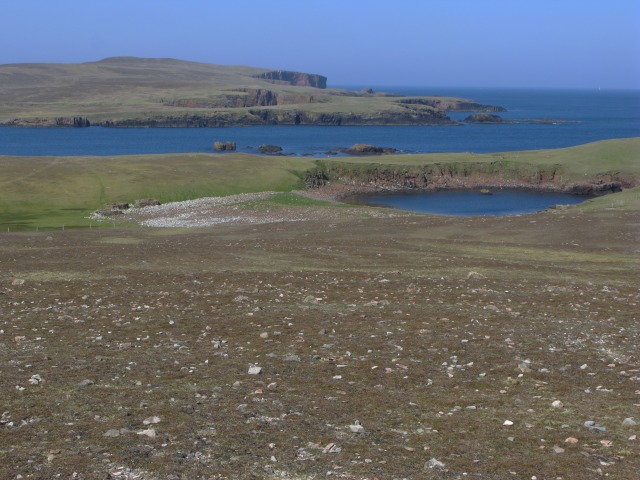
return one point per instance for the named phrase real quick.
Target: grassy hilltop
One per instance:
(55, 191)
(138, 92)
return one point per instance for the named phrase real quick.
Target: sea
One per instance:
(583, 116)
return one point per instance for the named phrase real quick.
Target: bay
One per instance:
(594, 115)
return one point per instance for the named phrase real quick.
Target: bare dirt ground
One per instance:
(336, 346)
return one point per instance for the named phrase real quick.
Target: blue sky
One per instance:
(484, 43)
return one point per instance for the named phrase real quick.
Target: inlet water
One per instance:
(593, 116)
(471, 203)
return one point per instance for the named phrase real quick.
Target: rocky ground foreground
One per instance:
(342, 345)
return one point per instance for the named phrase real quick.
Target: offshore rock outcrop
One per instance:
(299, 79)
(486, 118)
(224, 146)
(364, 149)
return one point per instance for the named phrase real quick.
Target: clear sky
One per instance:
(485, 43)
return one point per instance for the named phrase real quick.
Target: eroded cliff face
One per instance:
(463, 176)
(452, 105)
(267, 116)
(245, 97)
(285, 77)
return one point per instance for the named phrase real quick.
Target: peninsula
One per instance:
(153, 92)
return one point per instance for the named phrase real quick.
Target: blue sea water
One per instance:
(596, 115)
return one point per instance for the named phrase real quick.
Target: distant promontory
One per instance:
(154, 92)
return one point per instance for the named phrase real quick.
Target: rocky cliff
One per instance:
(268, 116)
(451, 104)
(284, 77)
(499, 174)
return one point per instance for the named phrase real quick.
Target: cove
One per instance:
(501, 202)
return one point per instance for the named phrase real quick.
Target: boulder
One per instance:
(146, 202)
(269, 149)
(224, 146)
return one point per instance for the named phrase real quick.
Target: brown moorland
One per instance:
(406, 346)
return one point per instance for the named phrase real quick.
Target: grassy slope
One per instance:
(621, 155)
(135, 88)
(54, 191)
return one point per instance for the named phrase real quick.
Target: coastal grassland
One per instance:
(625, 200)
(48, 192)
(54, 191)
(607, 156)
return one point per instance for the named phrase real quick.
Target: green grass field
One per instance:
(49, 192)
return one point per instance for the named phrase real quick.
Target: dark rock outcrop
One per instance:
(267, 116)
(146, 202)
(269, 149)
(299, 79)
(112, 209)
(363, 149)
(484, 118)
(596, 188)
(452, 105)
(224, 146)
(81, 122)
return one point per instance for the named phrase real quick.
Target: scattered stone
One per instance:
(434, 463)
(475, 276)
(151, 433)
(17, 282)
(594, 427)
(508, 423)
(86, 383)
(264, 335)
(557, 404)
(524, 367)
(331, 448)
(112, 433)
(35, 379)
(558, 449)
(241, 299)
(356, 427)
(629, 422)
(151, 420)
(571, 440)
(254, 370)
